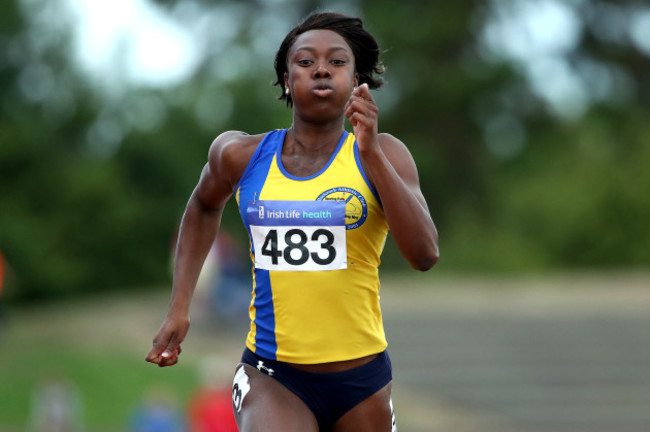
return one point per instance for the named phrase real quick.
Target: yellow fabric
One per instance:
(325, 316)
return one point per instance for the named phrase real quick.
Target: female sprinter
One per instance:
(317, 202)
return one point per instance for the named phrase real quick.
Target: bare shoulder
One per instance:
(400, 158)
(235, 143)
(393, 147)
(230, 153)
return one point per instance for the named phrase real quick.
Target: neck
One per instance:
(314, 139)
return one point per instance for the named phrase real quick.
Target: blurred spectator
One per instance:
(56, 406)
(158, 412)
(223, 290)
(230, 287)
(210, 409)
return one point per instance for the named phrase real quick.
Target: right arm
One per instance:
(229, 154)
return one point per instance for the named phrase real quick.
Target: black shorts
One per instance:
(328, 395)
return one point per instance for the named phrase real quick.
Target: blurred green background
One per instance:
(528, 121)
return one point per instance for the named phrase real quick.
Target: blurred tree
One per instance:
(532, 152)
(567, 136)
(525, 125)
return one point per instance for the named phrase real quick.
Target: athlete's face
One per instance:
(321, 73)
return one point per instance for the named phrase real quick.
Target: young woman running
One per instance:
(317, 202)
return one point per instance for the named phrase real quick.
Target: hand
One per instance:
(167, 343)
(362, 113)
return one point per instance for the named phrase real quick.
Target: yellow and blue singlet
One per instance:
(315, 246)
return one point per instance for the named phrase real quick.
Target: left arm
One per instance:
(392, 171)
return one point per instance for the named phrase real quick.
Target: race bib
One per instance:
(298, 235)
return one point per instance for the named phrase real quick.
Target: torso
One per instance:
(342, 304)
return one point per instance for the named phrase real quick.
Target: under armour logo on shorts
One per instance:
(262, 368)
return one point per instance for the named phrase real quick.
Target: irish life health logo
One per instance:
(356, 208)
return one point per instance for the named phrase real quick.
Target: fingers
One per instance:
(360, 108)
(169, 357)
(167, 343)
(165, 351)
(361, 98)
(165, 357)
(363, 92)
(360, 95)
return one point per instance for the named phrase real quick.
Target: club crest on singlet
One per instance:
(298, 235)
(356, 208)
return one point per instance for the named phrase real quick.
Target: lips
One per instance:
(322, 90)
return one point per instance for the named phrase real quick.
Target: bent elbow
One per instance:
(426, 261)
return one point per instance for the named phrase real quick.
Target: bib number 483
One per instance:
(299, 248)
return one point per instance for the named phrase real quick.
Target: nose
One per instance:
(321, 72)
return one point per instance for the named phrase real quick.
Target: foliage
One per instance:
(93, 181)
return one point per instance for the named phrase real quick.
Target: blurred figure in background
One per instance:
(56, 406)
(230, 285)
(223, 290)
(158, 412)
(210, 408)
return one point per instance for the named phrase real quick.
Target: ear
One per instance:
(286, 80)
(356, 80)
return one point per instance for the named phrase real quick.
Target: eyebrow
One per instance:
(313, 49)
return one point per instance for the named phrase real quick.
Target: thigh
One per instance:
(268, 406)
(374, 414)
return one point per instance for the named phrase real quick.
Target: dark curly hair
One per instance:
(363, 45)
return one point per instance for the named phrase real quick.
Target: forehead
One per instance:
(320, 40)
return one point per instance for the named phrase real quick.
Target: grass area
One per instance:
(110, 386)
(99, 343)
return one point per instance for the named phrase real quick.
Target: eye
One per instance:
(338, 62)
(304, 62)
